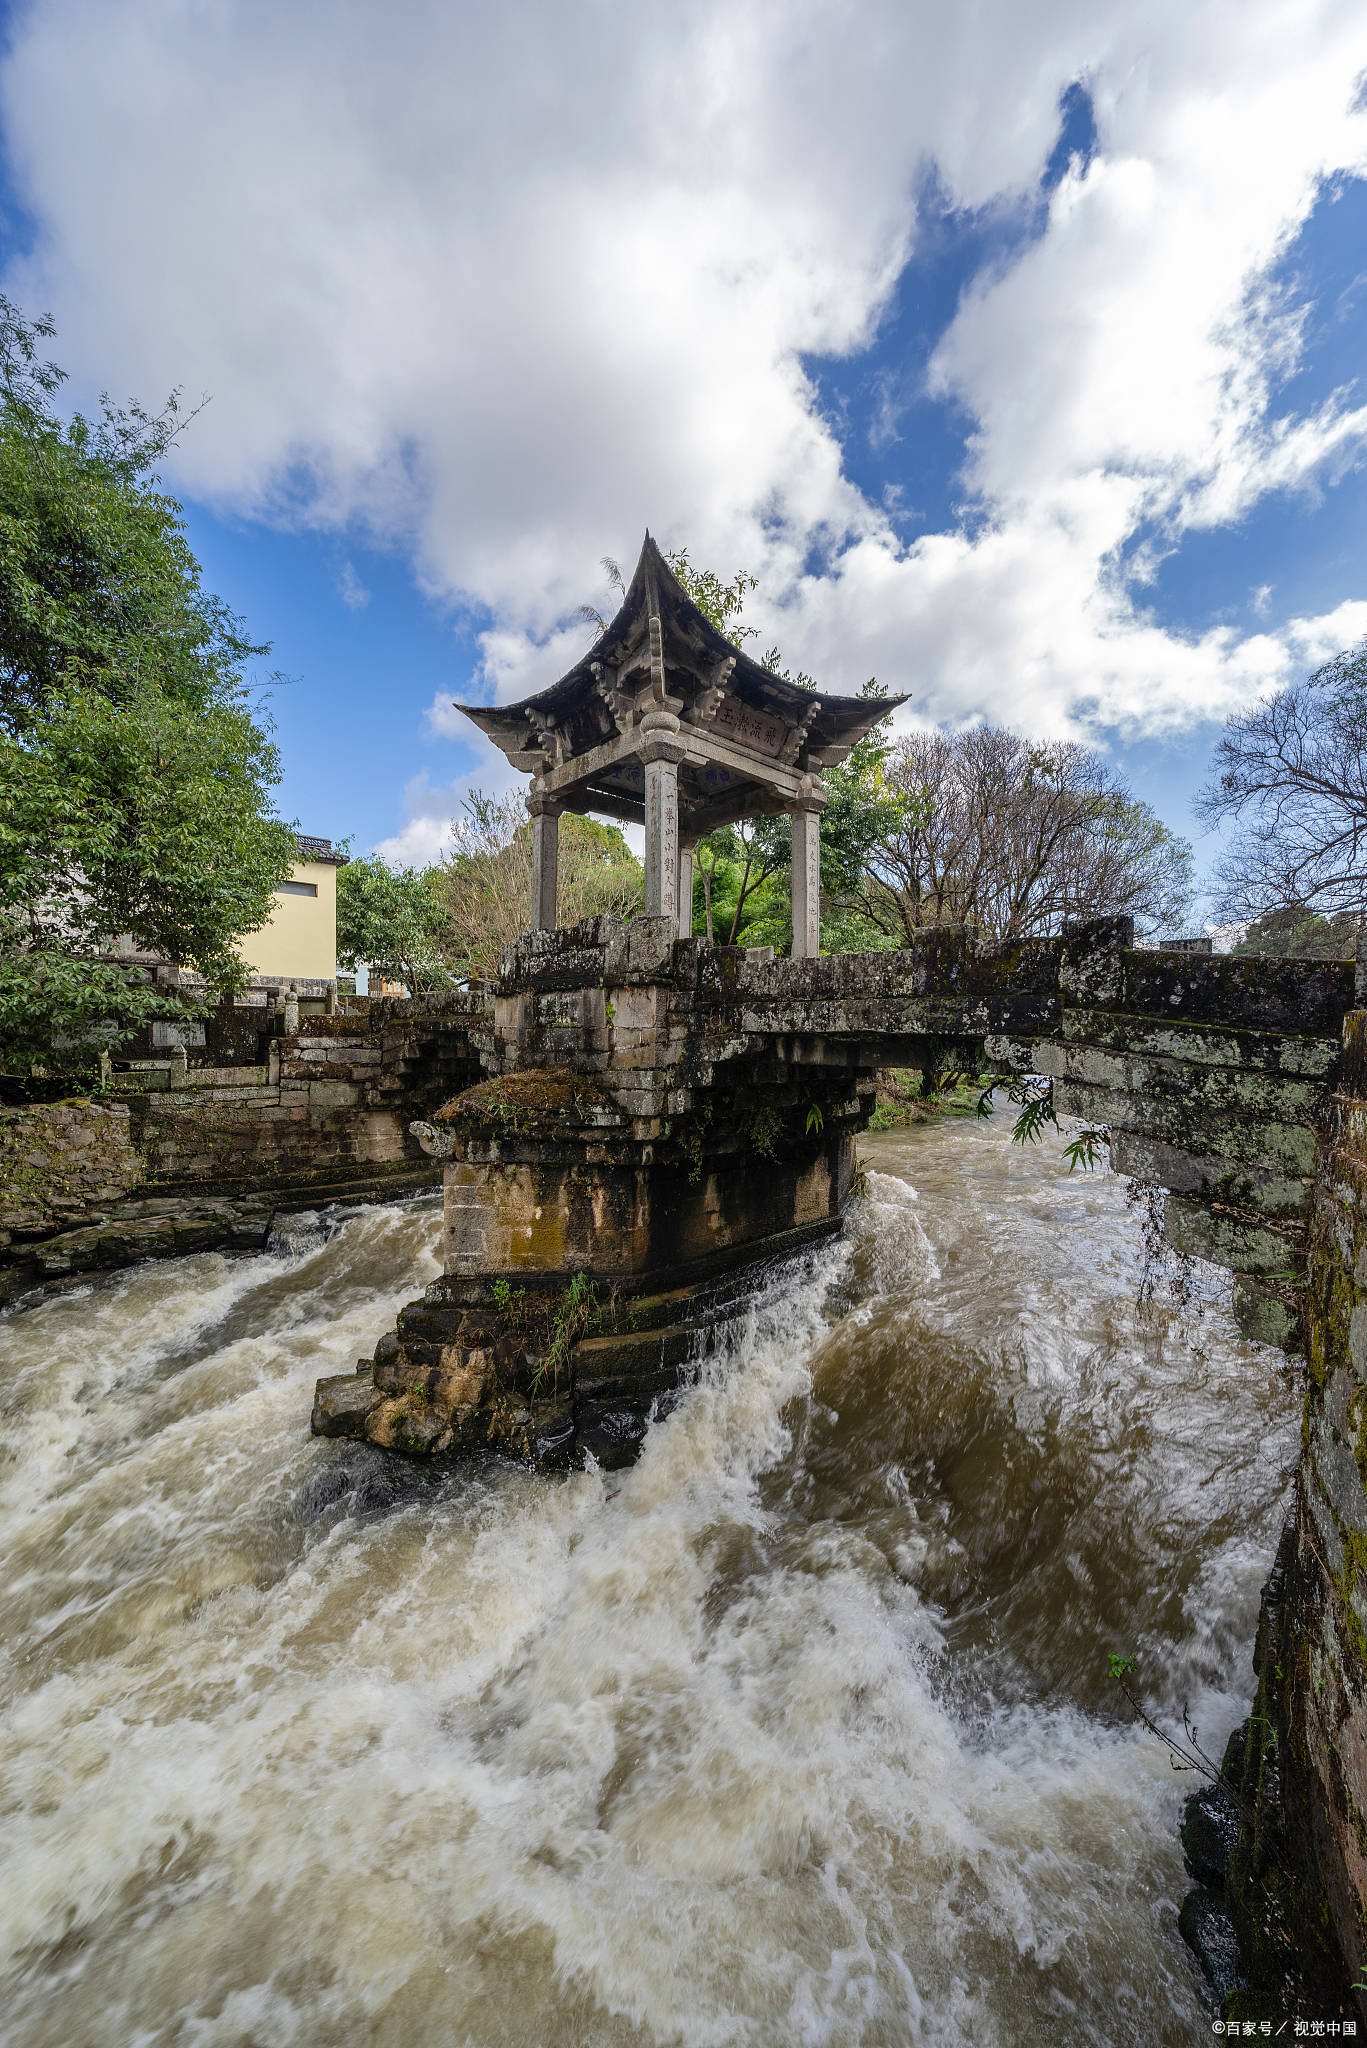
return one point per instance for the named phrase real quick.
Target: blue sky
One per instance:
(1022, 360)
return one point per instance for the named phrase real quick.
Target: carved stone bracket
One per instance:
(704, 705)
(551, 738)
(621, 708)
(796, 739)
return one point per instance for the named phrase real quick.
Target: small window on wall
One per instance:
(297, 889)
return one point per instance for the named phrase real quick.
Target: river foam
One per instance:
(795, 1732)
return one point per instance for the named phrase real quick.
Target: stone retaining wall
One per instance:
(1295, 1880)
(60, 1160)
(337, 1096)
(178, 1158)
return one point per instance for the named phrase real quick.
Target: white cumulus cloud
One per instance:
(506, 285)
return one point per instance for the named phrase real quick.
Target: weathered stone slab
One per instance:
(1239, 1243)
(1305, 996)
(333, 1095)
(1172, 1085)
(1202, 1044)
(1209, 1176)
(1247, 1140)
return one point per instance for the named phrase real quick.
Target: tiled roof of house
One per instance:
(313, 848)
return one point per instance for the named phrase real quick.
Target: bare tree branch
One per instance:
(1014, 838)
(1291, 773)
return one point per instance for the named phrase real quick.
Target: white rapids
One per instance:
(798, 1732)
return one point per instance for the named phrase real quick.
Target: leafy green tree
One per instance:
(720, 602)
(741, 885)
(740, 882)
(392, 920)
(865, 809)
(1296, 933)
(134, 778)
(98, 587)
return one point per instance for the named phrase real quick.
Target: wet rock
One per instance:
(341, 1405)
(1210, 1827)
(465, 1373)
(554, 1440)
(1208, 1931)
(153, 1230)
(613, 1436)
(463, 1378)
(408, 1422)
(541, 1434)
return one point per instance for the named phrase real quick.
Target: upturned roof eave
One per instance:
(838, 717)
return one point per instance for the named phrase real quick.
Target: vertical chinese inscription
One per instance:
(662, 838)
(806, 884)
(545, 864)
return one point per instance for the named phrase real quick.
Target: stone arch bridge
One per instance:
(1211, 1075)
(655, 1114)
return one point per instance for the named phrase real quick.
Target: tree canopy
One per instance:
(1295, 933)
(1290, 776)
(1014, 836)
(391, 920)
(135, 774)
(484, 885)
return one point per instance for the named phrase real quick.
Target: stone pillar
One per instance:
(545, 861)
(806, 878)
(686, 847)
(662, 753)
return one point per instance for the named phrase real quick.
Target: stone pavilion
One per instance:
(666, 723)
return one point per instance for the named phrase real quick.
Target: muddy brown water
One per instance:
(798, 1732)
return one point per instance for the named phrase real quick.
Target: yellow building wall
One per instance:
(300, 939)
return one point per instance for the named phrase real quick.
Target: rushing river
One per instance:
(798, 1732)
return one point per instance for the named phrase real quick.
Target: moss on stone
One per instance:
(533, 1101)
(1357, 1426)
(1352, 1577)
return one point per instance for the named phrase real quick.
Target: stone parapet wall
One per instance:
(1210, 1074)
(336, 1096)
